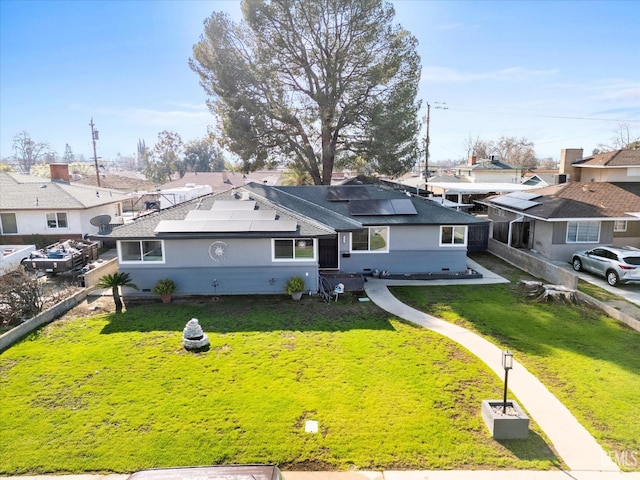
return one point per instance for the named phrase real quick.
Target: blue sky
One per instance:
(561, 74)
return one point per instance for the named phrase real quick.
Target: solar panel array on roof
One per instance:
(231, 215)
(229, 226)
(233, 205)
(341, 193)
(515, 202)
(523, 195)
(398, 206)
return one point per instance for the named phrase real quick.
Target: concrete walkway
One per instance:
(398, 475)
(572, 442)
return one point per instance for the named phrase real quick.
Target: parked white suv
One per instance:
(619, 265)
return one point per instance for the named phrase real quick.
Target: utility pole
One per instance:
(426, 150)
(94, 137)
(441, 106)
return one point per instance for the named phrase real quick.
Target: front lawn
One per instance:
(589, 361)
(119, 393)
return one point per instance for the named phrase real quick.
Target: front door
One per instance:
(328, 252)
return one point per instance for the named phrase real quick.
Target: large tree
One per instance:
(165, 159)
(311, 82)
(513, 151)
(203, 155)
(27, 152)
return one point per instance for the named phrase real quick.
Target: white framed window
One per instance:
(57, 220)
(583, 232)
(370, 239)
(8, 223)
(300, 249)
(453, 235)
(620, 226)
(141, 251)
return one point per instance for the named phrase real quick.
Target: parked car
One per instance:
(215, 472)
(619, 265)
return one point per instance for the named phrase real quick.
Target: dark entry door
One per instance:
(328, 252)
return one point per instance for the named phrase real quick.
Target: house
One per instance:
(557, 220)
(43, 211)
(221, 181)
(252, 239)
(616, 166)
(490, 170)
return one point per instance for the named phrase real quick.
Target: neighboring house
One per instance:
(222, 181)
(490, 170)
(33, 208)
(252, 239)
(556, 221)
(617, 166)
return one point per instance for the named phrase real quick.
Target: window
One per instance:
(583, 232)
(620, 226)
(294, 249)
(453, 236)
(141, 251)
(370, 239)
(57, 220)
(8, 223)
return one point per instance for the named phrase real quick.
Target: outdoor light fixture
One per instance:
(507, 364)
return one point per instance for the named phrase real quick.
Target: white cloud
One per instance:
(167, 119)
(450, 75)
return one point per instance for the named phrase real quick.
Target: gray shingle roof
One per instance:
(617, 158)
(144, 227)
(584, 200)
(23, 192)
(315, 215)
(312, 201)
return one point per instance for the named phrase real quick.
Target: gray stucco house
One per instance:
(558, 220)
(252, 239)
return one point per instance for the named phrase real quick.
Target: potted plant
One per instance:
(295, 287)
(165, 288)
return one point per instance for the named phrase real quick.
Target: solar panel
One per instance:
(514, 202)
(341, 193)
(398, 206)
(231, 215)
(228, 226)
(233, 205)
(403, 206)
(524, 195)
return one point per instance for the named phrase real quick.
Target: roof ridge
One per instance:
(291, 212)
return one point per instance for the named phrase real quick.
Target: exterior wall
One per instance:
(608, 174)
(542, 234)
(567, 157)
(490, 176)
(34, 222)
(629, 238)
(534, 265)
(247, 269)
(412, 249)
(563, 251)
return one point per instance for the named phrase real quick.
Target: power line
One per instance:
(563, 117)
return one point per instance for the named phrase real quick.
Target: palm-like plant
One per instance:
(114, 281)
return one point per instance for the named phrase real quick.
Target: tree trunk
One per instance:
(117, 300)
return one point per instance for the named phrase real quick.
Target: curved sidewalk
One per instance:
(572, 442)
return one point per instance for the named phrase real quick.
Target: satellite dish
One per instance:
(100, 220)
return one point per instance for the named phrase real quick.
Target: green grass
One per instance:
(589, 361)
(119, 393)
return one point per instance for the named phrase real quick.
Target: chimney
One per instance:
(568, 156)
(472, 160)
(59, 172)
